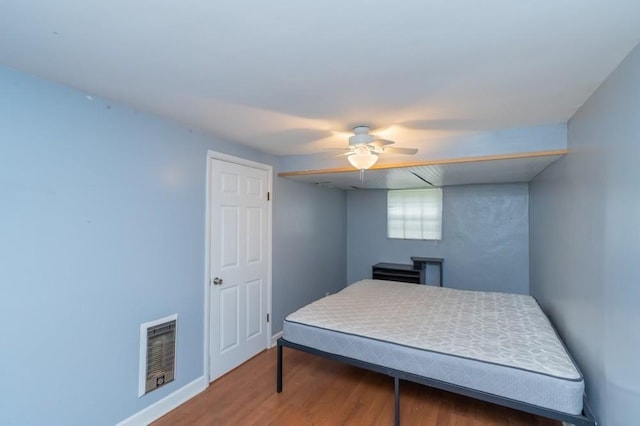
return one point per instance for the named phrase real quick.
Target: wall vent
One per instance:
(157, 353)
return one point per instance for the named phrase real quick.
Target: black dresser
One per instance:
(409, 273)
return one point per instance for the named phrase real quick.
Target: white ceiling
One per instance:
(286, 76)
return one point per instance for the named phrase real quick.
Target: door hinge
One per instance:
(267, 317)
(268, 196)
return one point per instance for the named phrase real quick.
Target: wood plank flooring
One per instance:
(318, 391)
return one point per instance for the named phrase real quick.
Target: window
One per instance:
(414, 214)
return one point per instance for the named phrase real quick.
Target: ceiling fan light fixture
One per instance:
(364, 148)
(363, 159)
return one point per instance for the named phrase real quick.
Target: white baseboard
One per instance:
(169, 402)
(274, 338)
(166, 404)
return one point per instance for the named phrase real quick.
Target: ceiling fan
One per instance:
(364, 148)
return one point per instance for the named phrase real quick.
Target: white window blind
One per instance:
(414, 214)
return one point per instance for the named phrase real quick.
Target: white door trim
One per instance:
(213, 155)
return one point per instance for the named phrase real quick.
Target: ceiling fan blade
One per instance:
(337, 149)
(341, 151)
(392, 150)
(380, 142)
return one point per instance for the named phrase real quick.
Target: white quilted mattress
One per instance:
(494, 342)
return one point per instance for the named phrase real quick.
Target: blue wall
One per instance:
(311, 245)
(102, 224)
(585, 244)
(485, 237)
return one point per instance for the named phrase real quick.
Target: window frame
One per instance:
(415, 224)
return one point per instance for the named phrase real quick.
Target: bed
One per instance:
(496, 347)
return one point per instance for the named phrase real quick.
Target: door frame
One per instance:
(213, 155)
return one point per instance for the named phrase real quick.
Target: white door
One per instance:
(239, 264)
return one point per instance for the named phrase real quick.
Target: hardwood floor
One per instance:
(318, 391)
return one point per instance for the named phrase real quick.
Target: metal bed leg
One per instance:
(397, 401)
(279, 370)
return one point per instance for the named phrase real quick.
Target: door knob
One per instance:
(217, 281)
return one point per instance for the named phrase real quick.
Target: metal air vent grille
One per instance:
(161, 355)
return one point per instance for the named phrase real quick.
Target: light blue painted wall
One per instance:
(102, 224)
(485, 237)
(311, 246)
(585, 244)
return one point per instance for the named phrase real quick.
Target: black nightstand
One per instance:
(397, 272)
(415, 273)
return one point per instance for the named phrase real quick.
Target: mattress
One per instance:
(498, 343)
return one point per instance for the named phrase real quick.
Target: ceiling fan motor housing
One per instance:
(361, 136)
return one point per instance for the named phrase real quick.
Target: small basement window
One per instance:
(414, 214)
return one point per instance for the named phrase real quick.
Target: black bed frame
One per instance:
(586, 418)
